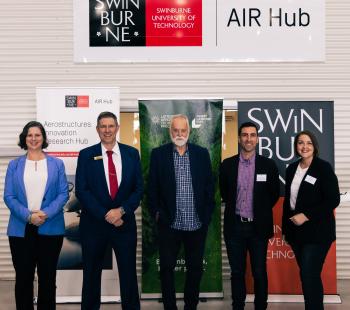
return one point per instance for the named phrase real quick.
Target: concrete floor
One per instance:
(7, 301)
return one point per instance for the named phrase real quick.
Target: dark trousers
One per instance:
(244, 239)
(310, 259)
(35, 251)
(94, 245)
(170, 241)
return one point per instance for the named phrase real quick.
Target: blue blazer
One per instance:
(162, 184)
(92, 190)
(55, 197)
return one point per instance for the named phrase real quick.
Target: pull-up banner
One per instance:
(205, 118)
(199, 30)
(278, 123)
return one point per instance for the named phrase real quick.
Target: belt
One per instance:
(244, 219)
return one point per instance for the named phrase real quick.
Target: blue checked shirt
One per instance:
(186, 217)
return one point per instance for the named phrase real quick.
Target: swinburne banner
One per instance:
(145, 23)
(278, 123)
(199, 30)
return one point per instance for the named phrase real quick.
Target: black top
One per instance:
(317, 201)
(265, 194)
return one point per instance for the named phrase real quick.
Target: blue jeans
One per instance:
(244, 239)
(310, 259)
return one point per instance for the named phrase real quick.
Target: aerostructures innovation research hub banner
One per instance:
(205, 116)
(69, 116)
(278, 123)
(199, 30)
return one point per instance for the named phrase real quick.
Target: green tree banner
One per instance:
(205, 116)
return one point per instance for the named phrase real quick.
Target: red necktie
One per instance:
(113, 180)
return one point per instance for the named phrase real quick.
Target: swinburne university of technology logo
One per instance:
(72, 101)
(145, 22)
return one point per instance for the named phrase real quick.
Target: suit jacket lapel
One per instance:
(294, 169)
(125, 164)
(20, 175)
(257, 165)
(193, 166)
(256, 171)
(308, 172)
(170, 168)
(234, 176)
(99, 168)
(50, 172)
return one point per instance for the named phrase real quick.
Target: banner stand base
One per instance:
(77, 299)
(148, 296)
(328, 299)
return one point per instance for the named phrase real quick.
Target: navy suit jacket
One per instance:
(162, 184)
(55, 197)
(317, 201)
(265, 194)
(92, 189)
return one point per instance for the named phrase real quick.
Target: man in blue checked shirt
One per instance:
(181, 199)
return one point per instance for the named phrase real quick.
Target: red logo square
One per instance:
(174, 23)
(83, 101)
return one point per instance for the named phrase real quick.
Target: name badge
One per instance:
(310, 179)
(261, 177)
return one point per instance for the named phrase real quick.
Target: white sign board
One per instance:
(199, 30)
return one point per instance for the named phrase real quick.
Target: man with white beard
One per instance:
(181, 200)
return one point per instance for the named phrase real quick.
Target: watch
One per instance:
(122, 211)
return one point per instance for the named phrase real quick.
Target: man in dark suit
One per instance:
(109, 186)
(249, 185)
(181, 199)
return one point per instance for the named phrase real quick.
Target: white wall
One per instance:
(36, 49)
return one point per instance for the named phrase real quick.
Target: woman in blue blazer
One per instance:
(36, 191)
(308, 224)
